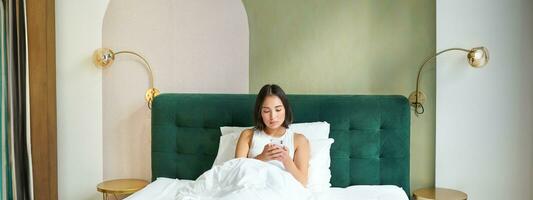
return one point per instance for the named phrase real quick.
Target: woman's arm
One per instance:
(243, 144)
(300, 165)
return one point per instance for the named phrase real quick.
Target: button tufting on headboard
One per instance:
(371, 133)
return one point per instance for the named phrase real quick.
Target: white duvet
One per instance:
(244, 178)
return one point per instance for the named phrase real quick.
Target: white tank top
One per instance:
(260, 139)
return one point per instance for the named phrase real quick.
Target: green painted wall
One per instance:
(349, 47)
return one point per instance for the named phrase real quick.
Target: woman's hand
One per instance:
(284, 157)
(271, 152)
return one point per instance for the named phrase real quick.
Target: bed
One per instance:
(369, 159)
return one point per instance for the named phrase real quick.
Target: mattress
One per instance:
(166, 189)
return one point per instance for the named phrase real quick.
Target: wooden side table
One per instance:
(120, 186)
(438, 194)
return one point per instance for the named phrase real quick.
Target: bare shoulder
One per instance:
(300, 139)
(247, 133)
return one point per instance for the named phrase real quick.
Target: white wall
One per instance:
(484, 141)
(79, 98)
(192, 46)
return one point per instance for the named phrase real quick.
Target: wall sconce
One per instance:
(477, 58)
(104, 57)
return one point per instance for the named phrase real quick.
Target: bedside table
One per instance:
(120, 186)
(438, 194)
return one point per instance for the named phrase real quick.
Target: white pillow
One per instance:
(319, 163)
(225, 130)
(311, 130)
(226, 148)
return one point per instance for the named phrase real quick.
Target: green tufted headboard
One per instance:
(371, 133)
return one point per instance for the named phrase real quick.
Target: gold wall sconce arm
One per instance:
(477, 57)
(104, 57)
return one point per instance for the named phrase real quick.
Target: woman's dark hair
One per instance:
(271, 90)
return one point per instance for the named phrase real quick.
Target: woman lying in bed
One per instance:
(270, 140)
(271, 161)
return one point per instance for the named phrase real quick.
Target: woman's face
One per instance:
(273, 112)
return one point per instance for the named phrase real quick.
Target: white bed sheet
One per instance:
(166, 189)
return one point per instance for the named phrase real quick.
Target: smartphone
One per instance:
(277, 142)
